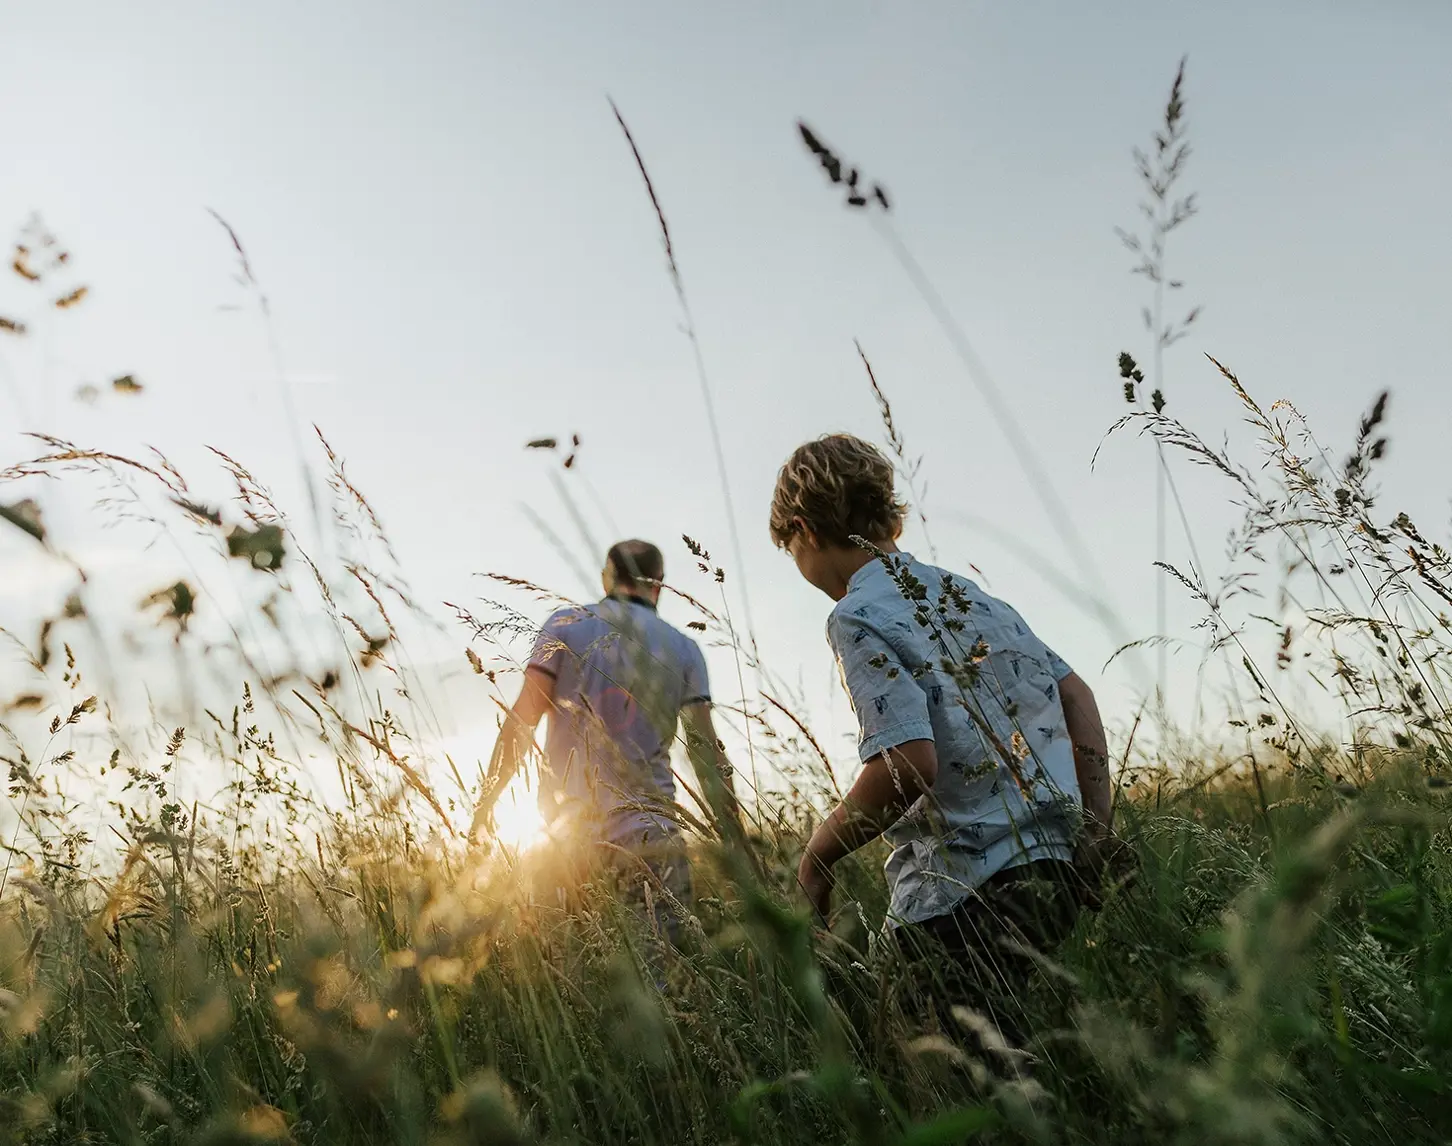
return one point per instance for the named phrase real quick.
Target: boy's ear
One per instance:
(801, 526)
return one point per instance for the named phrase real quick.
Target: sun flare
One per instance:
(517, 822)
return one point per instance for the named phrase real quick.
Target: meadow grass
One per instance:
(237, 953)
(272, 964)
(1276, 975)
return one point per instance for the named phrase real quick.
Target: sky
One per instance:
(459, 257)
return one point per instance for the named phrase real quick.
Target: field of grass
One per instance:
(1281, 972)
(273, 965)
(280, 961)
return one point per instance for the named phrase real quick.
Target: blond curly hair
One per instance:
(841, 487)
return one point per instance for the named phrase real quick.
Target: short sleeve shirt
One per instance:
(927, 655)
(622, 676)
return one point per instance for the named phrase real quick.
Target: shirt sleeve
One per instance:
(550, 647)
(891, 707)
(1057, 665)
(698, 687)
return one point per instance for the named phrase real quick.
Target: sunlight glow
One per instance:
(517, 822)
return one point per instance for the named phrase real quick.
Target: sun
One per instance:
(517, 822)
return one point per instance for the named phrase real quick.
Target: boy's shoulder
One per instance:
(877, 590)
(873, 601)
(863, 598)
(884, 598)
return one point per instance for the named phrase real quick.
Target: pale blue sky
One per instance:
(460, 257)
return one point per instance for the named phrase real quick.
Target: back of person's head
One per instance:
(840, 487)
(635, 566)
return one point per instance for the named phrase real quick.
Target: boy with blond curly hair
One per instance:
(984, 761)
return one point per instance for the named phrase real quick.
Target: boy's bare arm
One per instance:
(886, 787)
(1091, 751)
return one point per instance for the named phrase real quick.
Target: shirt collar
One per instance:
(632, 599)
(875, 567)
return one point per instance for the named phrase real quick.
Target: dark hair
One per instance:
(636, 563)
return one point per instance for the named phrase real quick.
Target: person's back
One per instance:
(614, 680)
(962, 669)
(984, 759)
(623, 675)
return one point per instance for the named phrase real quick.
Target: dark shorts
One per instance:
(981, 955)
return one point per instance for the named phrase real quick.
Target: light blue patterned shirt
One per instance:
(963, 669)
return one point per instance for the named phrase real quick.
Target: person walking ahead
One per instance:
(614, 681)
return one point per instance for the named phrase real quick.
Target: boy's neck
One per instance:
(848, 560)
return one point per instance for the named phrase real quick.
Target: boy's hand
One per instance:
(1103, 860)
(817, 881)
(1095, 827)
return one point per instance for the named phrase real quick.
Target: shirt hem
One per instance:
(1049, 850)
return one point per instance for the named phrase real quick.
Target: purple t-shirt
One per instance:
(622, 676)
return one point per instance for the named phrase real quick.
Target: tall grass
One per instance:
(265, 963)
(265, 924)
